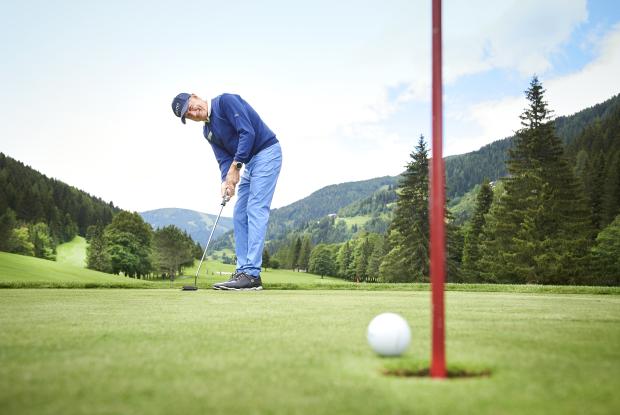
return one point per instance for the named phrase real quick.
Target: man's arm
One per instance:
(237, 115)
(224, 160)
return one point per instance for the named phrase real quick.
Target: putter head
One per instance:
(189, 288)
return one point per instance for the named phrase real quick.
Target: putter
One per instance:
(195, 286)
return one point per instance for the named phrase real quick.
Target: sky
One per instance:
(345, 85)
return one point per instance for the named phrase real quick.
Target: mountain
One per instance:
(32, 198)
(464, 171)
(323, 202)
(197, 224)
(308, 211)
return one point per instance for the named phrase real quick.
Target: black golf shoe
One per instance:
(240, 282)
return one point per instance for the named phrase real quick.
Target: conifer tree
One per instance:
(8, 222)
(606, 254)
(407, 259)
(539, 231)
(266, 258)
(304, 252)
(471, 250)
(361, 254)
(295, 249)
(374, 262)
(343, 260)
(611, 189)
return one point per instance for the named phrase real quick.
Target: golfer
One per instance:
(239, 137)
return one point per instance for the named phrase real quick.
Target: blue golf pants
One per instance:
(251, 213)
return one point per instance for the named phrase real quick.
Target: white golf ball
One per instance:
(389, 334)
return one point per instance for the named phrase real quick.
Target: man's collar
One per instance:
(209, 102)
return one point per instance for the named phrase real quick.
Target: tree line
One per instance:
(554, 219)
(37, 213)
(128, 245)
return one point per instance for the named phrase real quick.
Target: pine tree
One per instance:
(361, 255)
(539, 230)
(304, 252)
(408, 258)
(606, 254)
(471, 250)
(343, 260)
(266, 258)
(376, 257)
(293, 258)
(8, 222)
(611, 188)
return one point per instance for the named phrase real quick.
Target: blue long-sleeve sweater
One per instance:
(235, 131)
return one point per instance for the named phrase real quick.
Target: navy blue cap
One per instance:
(180, 103)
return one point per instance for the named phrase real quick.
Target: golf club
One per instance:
(195, 286)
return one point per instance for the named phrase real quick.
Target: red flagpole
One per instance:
(437, 211)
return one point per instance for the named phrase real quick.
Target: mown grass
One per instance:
(72, 252)
(18, 271)
(301, 352)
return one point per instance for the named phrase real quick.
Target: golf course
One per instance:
(310, 208)
(148, 348)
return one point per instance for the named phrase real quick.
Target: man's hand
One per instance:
(225, 191)
(232, 178)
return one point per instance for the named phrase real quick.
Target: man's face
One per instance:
(198, 109)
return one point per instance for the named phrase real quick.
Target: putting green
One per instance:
(282, 352)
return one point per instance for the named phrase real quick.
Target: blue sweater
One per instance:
(235, 131)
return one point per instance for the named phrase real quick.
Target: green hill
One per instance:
(23, 271)
(464, 171)
(72, 252)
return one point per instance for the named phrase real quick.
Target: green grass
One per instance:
(356, 220)
(301, 352)
(18, 271)
(214, 271)
(73, 252)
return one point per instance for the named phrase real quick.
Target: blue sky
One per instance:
(345, 85)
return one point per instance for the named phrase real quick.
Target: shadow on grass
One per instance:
(413, 369)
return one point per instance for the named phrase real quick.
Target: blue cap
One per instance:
(180, 103)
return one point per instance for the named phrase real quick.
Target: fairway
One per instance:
(303, 352)
(17, 271)
(73, 252)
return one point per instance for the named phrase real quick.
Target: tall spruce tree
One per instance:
(343, 260)
(304, 253)
(539, 231)
(374, 262)
(407, 259)
(471, 250)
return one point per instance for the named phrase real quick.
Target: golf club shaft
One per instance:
(224, 200)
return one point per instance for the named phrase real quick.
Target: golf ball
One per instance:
(389, 334)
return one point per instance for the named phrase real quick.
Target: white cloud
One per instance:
(566, 94)
(321, 84)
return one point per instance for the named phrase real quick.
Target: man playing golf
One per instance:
(239, 137)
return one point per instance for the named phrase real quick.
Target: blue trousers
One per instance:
(251, 213)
